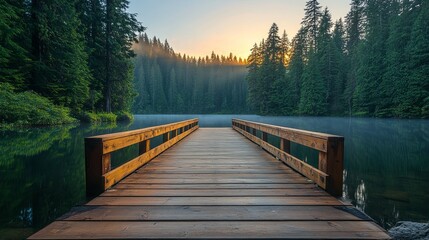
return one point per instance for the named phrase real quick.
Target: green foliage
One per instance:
(81, 56)
(124, 117)
(14, 57)
(266, 66)
(91, 117)
(29, 108)
(60, 68)
(375, 65)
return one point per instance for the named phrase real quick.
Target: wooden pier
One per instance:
(214, 184)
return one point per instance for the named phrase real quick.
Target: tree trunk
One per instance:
(108, 93)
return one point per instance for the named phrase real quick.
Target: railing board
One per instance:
(305, 169)
(126, 169)
(328, 175)
(99, 175)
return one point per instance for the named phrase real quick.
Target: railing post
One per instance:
(264, 136)
(285, 145)
(144, 146)
(96, 165)
(331, 163)
(166, 137)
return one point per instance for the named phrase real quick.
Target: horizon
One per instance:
(230, 18)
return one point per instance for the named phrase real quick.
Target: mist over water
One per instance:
(42, 170)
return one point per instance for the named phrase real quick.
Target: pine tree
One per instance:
(295, 71)
(313, 97)
(415, 102)
(60, 65)
(272, 70)
(285, 49)
(372, 54)
(337, 104)
(92, 15)
(120, 33)
(310, 22)
(14, 56)
(253, 77)
(354, 32)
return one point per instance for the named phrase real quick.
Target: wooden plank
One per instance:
(210, 230)
(124, 170)
(213, 213)
(217, 201)
(214, 186)
(211, 180)
(212, 192)
(217, 175)
(213, 171)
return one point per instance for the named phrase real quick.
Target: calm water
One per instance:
(386, 166)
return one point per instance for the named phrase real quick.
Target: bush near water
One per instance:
(31, 109)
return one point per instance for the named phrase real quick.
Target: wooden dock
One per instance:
(213, 184)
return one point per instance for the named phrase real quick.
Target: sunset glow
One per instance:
(197, 27)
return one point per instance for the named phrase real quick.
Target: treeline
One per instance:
(167, 82)
(76, 53)
(376, 63)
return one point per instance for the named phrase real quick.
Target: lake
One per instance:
(42, 170)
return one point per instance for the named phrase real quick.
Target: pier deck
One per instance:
(214, 184)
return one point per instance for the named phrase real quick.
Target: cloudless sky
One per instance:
(198, 27)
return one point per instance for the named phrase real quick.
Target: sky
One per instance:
(198, 27)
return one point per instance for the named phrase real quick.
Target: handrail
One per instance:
(99, 175)
(328, 175)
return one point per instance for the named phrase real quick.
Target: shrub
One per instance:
(29, 108)
(91, 117)
(107, 117)
(125, 117)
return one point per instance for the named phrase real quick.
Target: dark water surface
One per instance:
(42, 170)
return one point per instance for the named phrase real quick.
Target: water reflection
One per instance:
(386, 170)
(360, 196)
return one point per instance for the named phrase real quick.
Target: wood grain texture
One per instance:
(211, 230)
(214, 184)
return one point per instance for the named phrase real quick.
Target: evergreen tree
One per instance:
(310, 22)
(373, 54)
(415, 101)
(253, 77)
(337, 103)
(272, 70)
(93, 17)
(313, 97)
(354, 32)
(14, 56)
(120, 33)
(60, 65)
(295, 71)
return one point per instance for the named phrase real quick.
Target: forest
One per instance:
(373, 63)
(167, 82)
(62, 60)
(73, 57)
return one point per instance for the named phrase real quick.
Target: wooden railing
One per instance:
(328, 175)
(99, 175)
